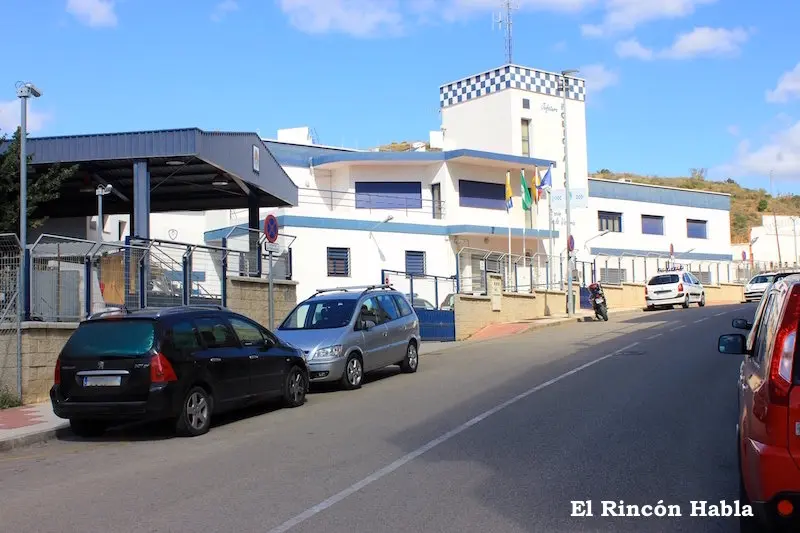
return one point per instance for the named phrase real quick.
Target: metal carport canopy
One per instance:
(189, 170)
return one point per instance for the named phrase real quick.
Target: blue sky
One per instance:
(672, 84)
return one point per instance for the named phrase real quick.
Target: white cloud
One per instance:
(10, 115)
(633, 48)
(598, 78)
(780, 154)
(734, 130)
(705, 41)
(93, 13)
(368, 18)
(788, 87)
(626, 15)
(223, 8)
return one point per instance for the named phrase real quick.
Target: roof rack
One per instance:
(360, 288)
(109, 311)
(208, 306)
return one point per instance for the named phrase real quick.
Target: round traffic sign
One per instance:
(571, 243)
(271, 228)
(744, 255)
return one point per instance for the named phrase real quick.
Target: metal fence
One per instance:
(540, 271)
(72, 278)
(10, 347)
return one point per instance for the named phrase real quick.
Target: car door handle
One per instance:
(215, 359)
(253, 357)
(385, 333)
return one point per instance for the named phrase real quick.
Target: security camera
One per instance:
(109, 187)
(36, 93)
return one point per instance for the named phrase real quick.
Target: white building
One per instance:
(771, 248)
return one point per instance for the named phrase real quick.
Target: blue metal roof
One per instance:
(637, 192)
(230, 153)
(433, 157)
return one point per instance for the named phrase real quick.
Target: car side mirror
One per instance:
(741, 323)
(733, 343)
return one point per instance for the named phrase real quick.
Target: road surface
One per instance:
(498, 436)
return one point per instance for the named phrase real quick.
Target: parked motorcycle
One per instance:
(598, 299)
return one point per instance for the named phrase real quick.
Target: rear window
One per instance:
(666, 279)
(110, 338)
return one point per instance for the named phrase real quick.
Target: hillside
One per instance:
(747, 205)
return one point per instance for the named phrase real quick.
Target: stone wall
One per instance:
(250, 297)
(41, 344)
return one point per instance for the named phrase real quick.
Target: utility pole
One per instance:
(775, 221)
(570, 253)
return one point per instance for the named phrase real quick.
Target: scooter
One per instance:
(598, 299)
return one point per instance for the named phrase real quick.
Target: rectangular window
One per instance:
(436, 197)
(652, 225)
(339, 262)
(608, 221)
(696, 229)
(415, 263)
(526, 103)
(388, 195)
(526, 137)
(481, 194)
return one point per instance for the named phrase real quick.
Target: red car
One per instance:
(768, 427)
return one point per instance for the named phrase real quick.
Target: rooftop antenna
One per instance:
(504, 18)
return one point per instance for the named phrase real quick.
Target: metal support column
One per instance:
(254, 237)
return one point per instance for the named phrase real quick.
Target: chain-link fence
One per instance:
(10, 348)
(249, 253)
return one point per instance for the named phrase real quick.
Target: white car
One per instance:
(674, 288)
(755, 288)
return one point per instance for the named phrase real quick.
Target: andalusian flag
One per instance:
(526, 192)
(509, 194)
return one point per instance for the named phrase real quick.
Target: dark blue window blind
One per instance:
(696, 229)
(415, 263)
(652, 225)
(481, 194)
(388, 195)
(339, 262)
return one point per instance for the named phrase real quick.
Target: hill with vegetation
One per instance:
(747, 205)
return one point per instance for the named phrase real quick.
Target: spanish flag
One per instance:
(509, 194)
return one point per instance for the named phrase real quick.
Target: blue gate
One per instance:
(432, 298)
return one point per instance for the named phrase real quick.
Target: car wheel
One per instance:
(353, 373)
(87, 428)
(295, 387)
(702, 299)
(195, 417)
(410, 364)
(685, 303)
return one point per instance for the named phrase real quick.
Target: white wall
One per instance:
(765, 247)
(481, 124)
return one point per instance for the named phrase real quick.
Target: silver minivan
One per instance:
(348, 331)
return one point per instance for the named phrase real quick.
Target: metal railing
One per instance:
(10, 342)
(369, 202)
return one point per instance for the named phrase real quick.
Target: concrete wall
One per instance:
(250, 297)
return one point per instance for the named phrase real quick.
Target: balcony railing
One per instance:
(336, 200)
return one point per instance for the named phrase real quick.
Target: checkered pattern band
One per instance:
(509, 77)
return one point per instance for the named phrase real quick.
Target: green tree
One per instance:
(762, 205)
(42, 187)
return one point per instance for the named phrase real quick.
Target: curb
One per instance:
(44, 435)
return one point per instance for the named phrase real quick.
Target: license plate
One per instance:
(598, 300)
(663, 292)
(102, 381)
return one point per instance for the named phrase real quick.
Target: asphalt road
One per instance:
(498, 436)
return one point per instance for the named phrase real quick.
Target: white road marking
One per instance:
(651, 337)
(388, 469)
(700, 320)
(679, 327)
(720, 314)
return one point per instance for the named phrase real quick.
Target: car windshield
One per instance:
(110, 338)
(761, 279)
(320, 314)
(666, 279)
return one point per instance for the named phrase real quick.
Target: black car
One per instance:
(180, 363)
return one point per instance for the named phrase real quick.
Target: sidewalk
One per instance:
(22, 426)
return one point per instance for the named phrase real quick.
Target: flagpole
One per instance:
(550, 240)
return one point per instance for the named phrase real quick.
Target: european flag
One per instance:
(509, 203)
(547, 180)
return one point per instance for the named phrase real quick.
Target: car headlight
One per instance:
(329, 352)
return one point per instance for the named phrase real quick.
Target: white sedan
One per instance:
(674, 288)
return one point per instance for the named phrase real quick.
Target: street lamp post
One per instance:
(564, 88)
(24, 92)
(101, 191)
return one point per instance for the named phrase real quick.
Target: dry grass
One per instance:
(747, 205)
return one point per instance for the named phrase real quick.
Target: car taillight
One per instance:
(57, 373)
(780, 371)
(680, 287)
(161, 370)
